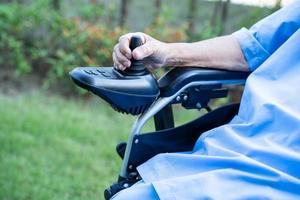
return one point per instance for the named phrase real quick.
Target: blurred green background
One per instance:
(56, 141)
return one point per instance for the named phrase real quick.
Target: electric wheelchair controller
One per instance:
(131, 91)
(136, 91)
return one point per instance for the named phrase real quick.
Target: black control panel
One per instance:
(131, 91)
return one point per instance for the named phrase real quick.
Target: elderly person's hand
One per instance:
(153, 52)
(221, 52)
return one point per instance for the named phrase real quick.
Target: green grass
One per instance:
(55, 148)
(52, 148)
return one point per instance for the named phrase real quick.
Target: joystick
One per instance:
(137, 66)
(131, 91)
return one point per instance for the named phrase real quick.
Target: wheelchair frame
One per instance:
(166, 116)
(192, 87)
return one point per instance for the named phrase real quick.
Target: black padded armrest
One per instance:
(178, 77)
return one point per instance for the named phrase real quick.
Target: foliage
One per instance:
(39, 39)
(50, 44)
(11, 47)
(255, 16)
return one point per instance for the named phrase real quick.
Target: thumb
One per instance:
(143, 51)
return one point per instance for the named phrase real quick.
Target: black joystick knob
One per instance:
(137, 67)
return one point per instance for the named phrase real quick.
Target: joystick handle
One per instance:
(137, 67)
(135, 42)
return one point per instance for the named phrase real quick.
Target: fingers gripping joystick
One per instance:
(131, 91)
(137, 67)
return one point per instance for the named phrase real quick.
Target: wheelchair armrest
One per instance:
(177, 78)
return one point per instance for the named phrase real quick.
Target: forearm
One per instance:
(220, 52)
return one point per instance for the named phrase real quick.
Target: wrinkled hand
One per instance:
(153, 52)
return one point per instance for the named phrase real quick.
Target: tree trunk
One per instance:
(56, 4)
(224, 16)
(215, 16)
(191, 18)
(157, 11)
(123, 12)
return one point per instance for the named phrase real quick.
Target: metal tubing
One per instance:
(155, 108)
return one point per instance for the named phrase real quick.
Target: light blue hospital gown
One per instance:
(256, 155)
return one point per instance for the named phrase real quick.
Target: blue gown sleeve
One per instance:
(267, 35)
